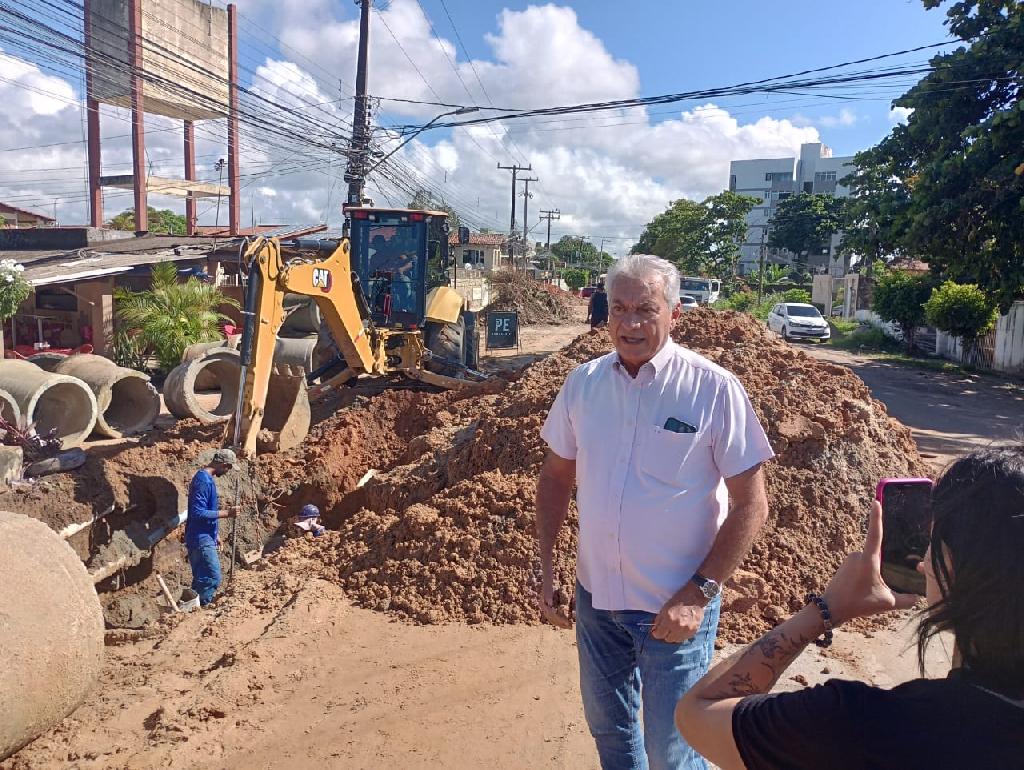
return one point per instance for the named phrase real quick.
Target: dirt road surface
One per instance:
(948, 414)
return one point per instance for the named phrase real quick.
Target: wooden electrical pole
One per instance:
(549, 215)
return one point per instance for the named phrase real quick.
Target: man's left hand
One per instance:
(678, 620)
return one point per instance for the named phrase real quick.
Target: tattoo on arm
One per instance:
(757, 668)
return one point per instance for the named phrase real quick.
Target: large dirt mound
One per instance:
(536, 302)
(447, 534)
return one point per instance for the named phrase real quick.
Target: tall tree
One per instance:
(701, 238)
(874, 216)
(803, 224)
(424, 200)
(960, 151)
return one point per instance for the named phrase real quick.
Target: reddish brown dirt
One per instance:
(447, 534)
(445, 530)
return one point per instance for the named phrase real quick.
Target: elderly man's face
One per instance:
(639, 320)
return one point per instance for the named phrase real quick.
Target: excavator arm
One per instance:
(271, 276)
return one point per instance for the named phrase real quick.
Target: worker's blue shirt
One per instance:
(201, 525)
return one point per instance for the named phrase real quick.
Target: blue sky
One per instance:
(609, 174)
(679, 45)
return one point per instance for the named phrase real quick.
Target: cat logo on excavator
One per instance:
(322, 279)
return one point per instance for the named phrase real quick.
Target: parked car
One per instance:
(686, 302)
(587, 291)
(798, 320)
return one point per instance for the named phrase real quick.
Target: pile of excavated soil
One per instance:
(447, 533)
(445, 529)
(536, 303)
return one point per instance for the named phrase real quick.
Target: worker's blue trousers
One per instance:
(205, 563)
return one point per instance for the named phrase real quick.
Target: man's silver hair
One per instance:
(643, 267)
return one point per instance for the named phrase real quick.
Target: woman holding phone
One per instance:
(973, 718)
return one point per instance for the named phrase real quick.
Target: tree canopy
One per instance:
(701, 238)
(160, 221)
(803, 224)
(955, 169)
(576, 250)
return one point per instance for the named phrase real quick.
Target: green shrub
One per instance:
(743, 301)
(962, 310)
(14, 289)
(899, 297)
(574, 278)
(796, 295)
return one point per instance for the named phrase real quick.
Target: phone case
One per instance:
(880, 489)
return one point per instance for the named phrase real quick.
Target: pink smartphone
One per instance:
(906, 527)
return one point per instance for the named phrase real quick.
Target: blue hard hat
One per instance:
(309, 511)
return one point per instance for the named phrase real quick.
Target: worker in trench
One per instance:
(665, 451)
(203, 524)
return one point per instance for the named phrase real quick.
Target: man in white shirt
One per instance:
(666, 452)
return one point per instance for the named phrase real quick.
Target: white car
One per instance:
(798, 320)
(686, 302)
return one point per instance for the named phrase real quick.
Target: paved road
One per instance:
(949, 414)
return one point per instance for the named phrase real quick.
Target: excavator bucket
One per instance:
(286, 417)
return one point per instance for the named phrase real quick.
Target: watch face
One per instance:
(711, 589)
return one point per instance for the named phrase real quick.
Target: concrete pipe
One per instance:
(295, 354)
(204, 388)
(50, 400)
(200, 349)
(51, 631)
(303, 316)
(125, 401)
(9, 408)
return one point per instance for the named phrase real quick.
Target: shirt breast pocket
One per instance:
(663, 453)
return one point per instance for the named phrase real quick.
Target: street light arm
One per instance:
(420, 130)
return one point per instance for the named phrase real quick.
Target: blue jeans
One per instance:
(617, 653)
(205, 563)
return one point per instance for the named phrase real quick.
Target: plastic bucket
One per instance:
(189, 601)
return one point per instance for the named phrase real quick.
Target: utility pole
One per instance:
(760, 271)
(515, 169)
(549, 215)
(526, 206)
(355, 174)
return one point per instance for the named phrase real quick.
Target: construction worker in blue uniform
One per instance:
(202, 525)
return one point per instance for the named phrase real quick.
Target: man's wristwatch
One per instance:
(710, 588)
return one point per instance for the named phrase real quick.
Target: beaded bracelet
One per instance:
(826, 618)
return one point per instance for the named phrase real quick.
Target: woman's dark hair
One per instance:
(977, 555)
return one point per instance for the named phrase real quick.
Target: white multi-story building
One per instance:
(773, 179)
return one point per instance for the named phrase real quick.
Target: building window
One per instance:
(824, 176)
(732, 183)
(55, 298)
(778, 176)
(808, 187)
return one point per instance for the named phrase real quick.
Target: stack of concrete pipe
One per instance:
(125, 400)
(50, 400)
(52, 640)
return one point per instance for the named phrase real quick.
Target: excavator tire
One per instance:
(448, 342)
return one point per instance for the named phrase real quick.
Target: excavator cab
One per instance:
(391, 252)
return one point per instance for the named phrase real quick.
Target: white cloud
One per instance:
(608, 172)
(899, 114)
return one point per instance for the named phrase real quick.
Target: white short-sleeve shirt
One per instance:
(651, 453)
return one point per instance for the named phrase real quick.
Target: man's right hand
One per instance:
(230, 513)
(549, 609)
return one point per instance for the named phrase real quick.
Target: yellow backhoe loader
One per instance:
(380, 307)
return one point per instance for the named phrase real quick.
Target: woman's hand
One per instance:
(857, 589)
